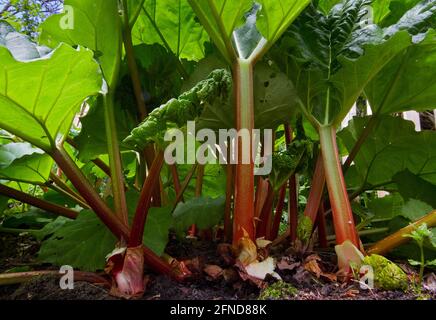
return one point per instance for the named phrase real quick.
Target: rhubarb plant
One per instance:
(336, 55)
(243, 43)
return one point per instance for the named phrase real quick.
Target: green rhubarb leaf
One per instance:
(96, 26)
(326, 5)
(214, 181)
(336, 55)
(214, 91)
(411, 186)
(157, 226)
(275, 99)
(32, 219)
(43, 95)
(276, 16)
(393, 147)
(22, 162)
(85, 242)
(220, 18)
(204, 212)
(381, 10)
(173, 25)
(82, 243)
(91, 142)
(265, 22)
(397, 8)
(407, 82)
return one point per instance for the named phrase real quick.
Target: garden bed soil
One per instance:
(19, 251)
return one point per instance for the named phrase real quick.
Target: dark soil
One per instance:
(18, 251)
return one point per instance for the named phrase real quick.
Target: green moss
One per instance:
(278, 291)
(387, 275)
(304, 228)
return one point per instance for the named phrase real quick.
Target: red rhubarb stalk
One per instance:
(316, 191)
(341, 208)
(229, 202)
(293, 208)
(278, 213)
(244, 181)
(144, 203)
(322, 228)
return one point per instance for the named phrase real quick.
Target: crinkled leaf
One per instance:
(326, 5)
(173, 25)
(215, 90)
(22, 162)
(204, 212)
(42, 96)
(336, 55)
(96, 26)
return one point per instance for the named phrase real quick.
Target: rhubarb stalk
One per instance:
(244, 180)
(144, 203)
(398, 238)
(342, 215)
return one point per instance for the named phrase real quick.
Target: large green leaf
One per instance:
(159, 222)
(43, 95)
(265, 23)
(393, 147)
(407, 82)
(173, 25)
(335, 56)
(411, 186)
(388, 12)
(204, 212)
(96, 26)
(276, 16)
(220, 18)
(82, 243)
(275, 99)
(22, 162)
(92, 140)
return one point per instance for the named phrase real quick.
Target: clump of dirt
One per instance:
(17, 251)
(47, 288)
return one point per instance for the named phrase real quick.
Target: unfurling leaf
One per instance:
(127, 270)
(176, 113)
(348, 256)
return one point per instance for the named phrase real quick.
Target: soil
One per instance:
(18, 251)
